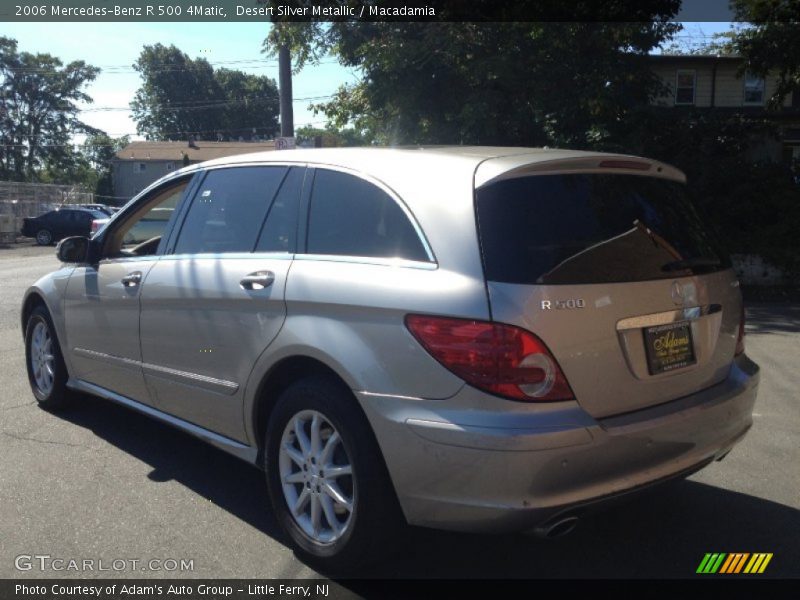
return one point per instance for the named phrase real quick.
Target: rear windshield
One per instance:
(585, 228)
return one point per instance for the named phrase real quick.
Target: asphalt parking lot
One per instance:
(100, 482)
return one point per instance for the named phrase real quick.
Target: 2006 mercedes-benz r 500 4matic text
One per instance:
(476, 339)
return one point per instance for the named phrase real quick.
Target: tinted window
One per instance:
(153, 223)
(280, 230)
(228, 209)
(592, 229)
(352, 217)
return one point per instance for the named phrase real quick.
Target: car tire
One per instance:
(373, 525)
(47, 373)
(44, 237)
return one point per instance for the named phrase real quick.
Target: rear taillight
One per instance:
(740, 337)
(95, 226)
(500, 359)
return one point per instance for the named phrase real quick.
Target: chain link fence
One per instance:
(21, 200)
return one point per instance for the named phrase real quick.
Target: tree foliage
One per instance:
(39, 111)
(182, 97)
(488, 83)
(772, 43)
(331, 137)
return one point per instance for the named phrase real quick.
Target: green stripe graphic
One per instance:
(701, 568)
(711, 562)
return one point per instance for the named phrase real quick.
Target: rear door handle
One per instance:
(132, 279)
(257, 281)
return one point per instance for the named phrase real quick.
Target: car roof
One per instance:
(91, 211)
(487, 163)
(353, 156)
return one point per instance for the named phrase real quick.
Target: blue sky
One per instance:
(115, 46)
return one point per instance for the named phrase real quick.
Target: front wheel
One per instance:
(44, 237)
(47, 373)
(327, 481)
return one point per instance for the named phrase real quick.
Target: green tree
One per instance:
(182, 97)
(515, 83)
(331, 137)
(39, 111)
(253, 107)
(99, 151)
(772, 43)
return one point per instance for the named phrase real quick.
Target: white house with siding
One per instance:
(717, 82)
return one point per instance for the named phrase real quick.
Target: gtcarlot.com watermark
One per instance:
(47, 563)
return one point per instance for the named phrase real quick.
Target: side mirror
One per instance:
(73, 249)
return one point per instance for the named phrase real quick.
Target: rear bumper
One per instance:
(478, 463)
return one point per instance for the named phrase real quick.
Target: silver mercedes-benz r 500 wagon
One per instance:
(475, 339)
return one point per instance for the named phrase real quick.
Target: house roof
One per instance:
(198, 151)
(695, 58)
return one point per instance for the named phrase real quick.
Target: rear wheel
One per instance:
(327, 480)
(47, 372)
(44, 237)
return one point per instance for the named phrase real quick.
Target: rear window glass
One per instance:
(584, 228)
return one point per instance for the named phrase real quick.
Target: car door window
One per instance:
(140, 232)
(353, 217)
(228, 209)
(280, 230)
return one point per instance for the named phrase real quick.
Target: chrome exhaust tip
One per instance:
(556, 528)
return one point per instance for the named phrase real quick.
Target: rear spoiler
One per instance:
(511, 167)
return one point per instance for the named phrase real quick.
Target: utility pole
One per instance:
(285, 90)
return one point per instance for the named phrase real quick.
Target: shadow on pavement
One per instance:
(662, 533)
(773, 318)
(174, 455)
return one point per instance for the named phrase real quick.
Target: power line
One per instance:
(177, 132)
(220, 104)
(127, 69)
(167, 133)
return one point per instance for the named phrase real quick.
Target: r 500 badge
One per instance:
(563, 304)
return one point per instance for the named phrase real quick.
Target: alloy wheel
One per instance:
(316, 476)
(43, 361)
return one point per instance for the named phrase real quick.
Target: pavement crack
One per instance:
(17, 436)
(4, 408)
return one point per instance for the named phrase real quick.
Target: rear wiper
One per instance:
(690, 263)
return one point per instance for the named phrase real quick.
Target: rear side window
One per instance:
(228, 210)
(585, 228)
(352, 217)
(280, 230)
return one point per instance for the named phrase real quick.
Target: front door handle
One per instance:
(132, 279)
(257, 281)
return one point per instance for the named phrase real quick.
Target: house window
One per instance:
(685, 86)
(170, 166)
(139, 167)
(753, 89)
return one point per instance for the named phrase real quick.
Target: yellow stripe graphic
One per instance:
(751, 563)
(755, 563)
(765, 563)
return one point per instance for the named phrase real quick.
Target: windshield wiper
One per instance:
(690, 263)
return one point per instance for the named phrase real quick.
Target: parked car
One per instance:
(57, 224)
(101, 207)
(475, 339)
